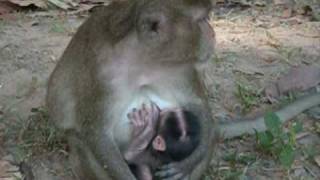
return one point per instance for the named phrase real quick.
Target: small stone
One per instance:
(317, 160)
(287, 13)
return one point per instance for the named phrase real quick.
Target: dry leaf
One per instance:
(287, 13)
(82, 8)
(24, 3)
(272, 41)
(6, 7)
(248, 69)
(219, 1)
(60, 4)
(8, 171)
(260, 3)
(282, 2)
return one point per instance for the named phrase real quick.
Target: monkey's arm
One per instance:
(112, 159)
(184, 168)
(143, 172)
(143, 124)
(234, 129)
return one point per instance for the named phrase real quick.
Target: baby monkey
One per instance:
(160, 137)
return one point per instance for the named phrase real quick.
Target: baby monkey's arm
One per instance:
(143, 122)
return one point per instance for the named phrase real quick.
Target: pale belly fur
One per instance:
(122, 131)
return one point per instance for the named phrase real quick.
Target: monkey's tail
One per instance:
(234, 129)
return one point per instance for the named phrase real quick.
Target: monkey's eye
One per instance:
(153, 26)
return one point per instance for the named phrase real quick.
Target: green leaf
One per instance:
(233, 175)
(265, 139)
(246, 159)
(286, 156)
(230, 157)
(297, 127)
(292, 137)
(284, 137)
(273, 123)
(310, 152)
(256, 133)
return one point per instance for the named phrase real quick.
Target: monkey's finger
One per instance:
(175, 177)
(131, 118)
(134, 122)
(144, 108)
(144, 114)
(167, 167)
(143, 120)
(140, 116)
(155, 112)
(134, 118)
(147, 117)
(165, 172)
(137, 118)
(153, 104)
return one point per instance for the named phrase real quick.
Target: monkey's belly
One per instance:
(122, 130)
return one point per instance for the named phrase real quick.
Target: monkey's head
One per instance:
(166, 30)
(178, 134)
(175, 30)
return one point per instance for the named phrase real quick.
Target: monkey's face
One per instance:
(170, 124)
(175, 32)
(177, 134)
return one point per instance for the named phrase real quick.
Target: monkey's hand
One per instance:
(143, 123)
(173, 171)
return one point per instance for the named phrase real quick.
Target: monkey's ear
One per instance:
(198, 10)
(199, 14)
(159, 143)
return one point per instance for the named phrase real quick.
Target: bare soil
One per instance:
(254, 47)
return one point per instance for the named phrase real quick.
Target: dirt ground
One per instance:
(254, 47)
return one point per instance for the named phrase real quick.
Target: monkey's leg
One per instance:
(210, 138)
(198, 172)
(144, 172)
(109, 156)
(84, 164)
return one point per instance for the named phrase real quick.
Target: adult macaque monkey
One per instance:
(124, 55)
